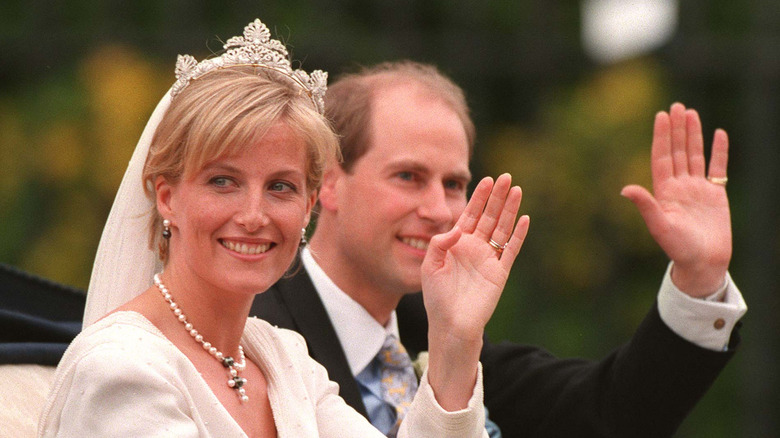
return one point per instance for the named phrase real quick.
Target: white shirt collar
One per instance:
(361, 336)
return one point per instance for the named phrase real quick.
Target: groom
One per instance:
(407, 140)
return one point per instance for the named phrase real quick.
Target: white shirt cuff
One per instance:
(705, 322)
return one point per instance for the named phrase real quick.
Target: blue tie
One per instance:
(399, 382)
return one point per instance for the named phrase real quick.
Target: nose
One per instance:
(434, 206)
(252, 214)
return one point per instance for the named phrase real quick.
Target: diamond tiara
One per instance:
(255, 49)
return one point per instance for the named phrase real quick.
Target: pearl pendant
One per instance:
(228, 362)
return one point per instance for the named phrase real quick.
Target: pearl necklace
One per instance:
(236, 382)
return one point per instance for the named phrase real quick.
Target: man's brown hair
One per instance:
(349, 100)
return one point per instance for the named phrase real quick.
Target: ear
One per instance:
(329, 190)
(309, 206)
(163, 191)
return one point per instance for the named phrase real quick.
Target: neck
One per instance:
(217, 314)
(378, 301)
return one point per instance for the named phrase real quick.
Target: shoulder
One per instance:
(261, 334)
(123, 347)
(286, 351)
(277, 347)
(125, 334)
(118, 368)
(115, 332)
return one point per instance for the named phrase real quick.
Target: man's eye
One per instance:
(406, 176)
(453, 185)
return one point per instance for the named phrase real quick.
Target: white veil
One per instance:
(124, 264)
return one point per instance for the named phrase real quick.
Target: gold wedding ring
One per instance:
(499, 248)
(719, 181)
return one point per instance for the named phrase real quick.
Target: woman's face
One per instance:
(236, 223)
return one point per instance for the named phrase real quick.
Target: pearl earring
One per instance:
(303, 236)
(166, 232)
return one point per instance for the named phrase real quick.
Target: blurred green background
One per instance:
(78, 80)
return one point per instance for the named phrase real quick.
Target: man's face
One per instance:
(409, 186)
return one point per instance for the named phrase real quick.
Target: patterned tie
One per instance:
(399, 382)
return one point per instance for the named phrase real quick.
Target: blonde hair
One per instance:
(224, 112)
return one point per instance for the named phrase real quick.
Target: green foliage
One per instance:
(65, 143)
(591, 139)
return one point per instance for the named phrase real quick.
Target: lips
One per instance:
(414, 242)
(246, 248)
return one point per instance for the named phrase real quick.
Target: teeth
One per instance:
(243, 248)
(415, 243)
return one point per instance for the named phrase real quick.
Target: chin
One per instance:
(408, 285)
(251, 284)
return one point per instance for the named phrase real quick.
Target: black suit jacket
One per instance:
(643, 389)
(38, 317)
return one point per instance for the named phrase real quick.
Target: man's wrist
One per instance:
(704, 322)
(698, 283)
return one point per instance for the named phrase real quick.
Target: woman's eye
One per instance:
(220, 181)
(282, 187)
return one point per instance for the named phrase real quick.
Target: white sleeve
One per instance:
(427, 418)
(705, 322)
(111, 392)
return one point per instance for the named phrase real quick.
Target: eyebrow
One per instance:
(229, 168)
(219, 165)
(416, 166)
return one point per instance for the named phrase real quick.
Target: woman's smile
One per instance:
(246, 248)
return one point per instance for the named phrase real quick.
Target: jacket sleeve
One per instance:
(645, 388)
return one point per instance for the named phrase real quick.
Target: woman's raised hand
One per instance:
(463, 275)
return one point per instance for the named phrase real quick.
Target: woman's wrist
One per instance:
(452, 369)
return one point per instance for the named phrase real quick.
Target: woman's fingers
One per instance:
(494, 208)
(515, 243)
(492, 212)
(440, 244)
(506, 223)
(468, 220)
